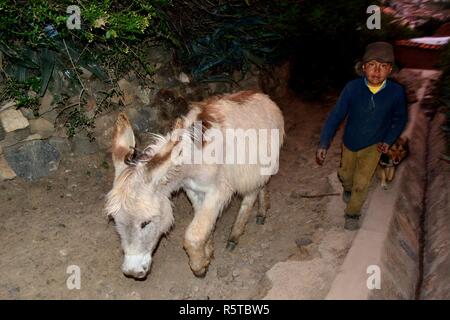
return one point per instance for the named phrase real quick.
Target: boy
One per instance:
(376, 115)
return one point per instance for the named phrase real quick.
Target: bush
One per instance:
(219, 37)
(211, 38)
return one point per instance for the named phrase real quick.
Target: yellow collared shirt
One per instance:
(375, 89)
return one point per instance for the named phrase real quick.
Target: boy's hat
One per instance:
(380, 51)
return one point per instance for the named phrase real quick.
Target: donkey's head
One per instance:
(139, 202)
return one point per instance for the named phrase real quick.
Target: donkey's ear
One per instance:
(123, 142)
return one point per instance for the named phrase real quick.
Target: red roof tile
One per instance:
(409, 43)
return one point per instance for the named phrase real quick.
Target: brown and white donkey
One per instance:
(139, 201)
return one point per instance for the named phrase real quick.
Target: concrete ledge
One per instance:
(368, 246)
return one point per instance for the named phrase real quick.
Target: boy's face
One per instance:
(376, 72)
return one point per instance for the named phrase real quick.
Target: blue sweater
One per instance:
(372, 118)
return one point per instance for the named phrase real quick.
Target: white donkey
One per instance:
(139, 201)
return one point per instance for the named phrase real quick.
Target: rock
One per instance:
(14, 290)
(34, 136)
(14, 137)
(219, 87)
(50, 116)
(235, 273)
(104, 127)
(85, 73)
(32, 160)
(7, 105)
(6, 173)
(115, 98)
(73, 99)
(183, 77)
(42, 127)
(82, 145)
(222, 271)
(2, 132)
(128, 91)
(195, 93)
(169, 105)
(139, 119)
(61, 144)
(158, 55)
(13, 120)
(258, 254)
(147, 119)
(27, 113)
(165, 77)
(145, 94)
(46, 103)
(303, 242)
(31, 94)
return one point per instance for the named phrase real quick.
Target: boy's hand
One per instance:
(383, 147)
(320, 156)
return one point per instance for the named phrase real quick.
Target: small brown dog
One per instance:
(390, 160)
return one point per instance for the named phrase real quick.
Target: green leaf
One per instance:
(47, 65)
(18, 58)
(111, 34)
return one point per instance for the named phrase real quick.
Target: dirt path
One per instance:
(56, 222)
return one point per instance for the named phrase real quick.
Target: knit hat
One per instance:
(379, 51)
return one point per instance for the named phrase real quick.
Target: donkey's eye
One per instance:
(145, 223)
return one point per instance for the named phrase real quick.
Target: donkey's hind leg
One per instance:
(241, 219)
(263, 205)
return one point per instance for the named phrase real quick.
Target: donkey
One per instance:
(139, 201)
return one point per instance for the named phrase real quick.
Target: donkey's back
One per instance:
(252, 128)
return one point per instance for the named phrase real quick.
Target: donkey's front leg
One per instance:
(198, 237)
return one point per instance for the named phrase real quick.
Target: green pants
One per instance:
(356, 172)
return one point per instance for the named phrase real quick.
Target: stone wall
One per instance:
(33, 143)
(416, 258)
(400, 260)
(436, 269)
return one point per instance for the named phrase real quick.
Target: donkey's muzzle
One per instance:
(136, 266)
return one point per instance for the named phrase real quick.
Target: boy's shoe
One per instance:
(346, 196)
(351, 222)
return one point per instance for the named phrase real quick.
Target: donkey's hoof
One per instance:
(200, 273)
(231, 245)
(260, 220)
